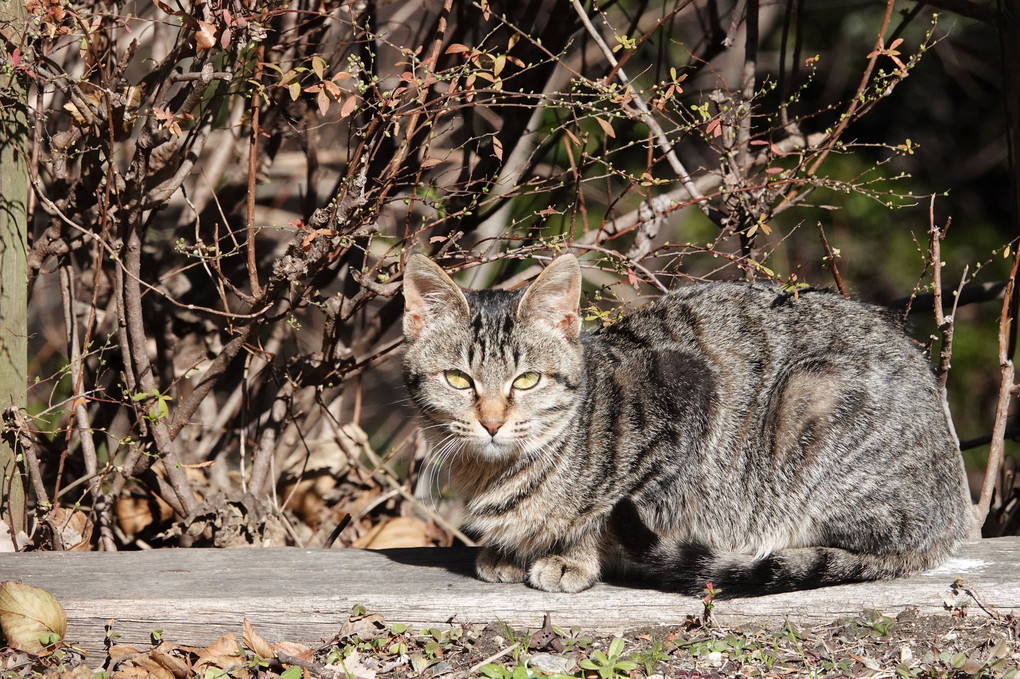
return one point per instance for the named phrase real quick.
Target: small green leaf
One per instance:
(292, 672)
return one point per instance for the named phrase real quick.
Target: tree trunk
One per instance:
(13, 273)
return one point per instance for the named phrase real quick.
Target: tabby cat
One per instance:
(730, 433)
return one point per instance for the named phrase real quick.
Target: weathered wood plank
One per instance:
(195, 596)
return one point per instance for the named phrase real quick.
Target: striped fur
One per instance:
(728, 433)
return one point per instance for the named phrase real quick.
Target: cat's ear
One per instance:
(429, 295)
(554, 297)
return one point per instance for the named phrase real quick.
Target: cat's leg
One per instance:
(570, 570)
(493, 565)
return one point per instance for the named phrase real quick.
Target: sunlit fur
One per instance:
(738, 434)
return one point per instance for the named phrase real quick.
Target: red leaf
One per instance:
(205, 36)
(606, 127)
(349, 106)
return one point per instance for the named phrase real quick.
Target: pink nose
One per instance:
(493, 427)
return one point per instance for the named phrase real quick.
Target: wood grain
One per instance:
(196, 595)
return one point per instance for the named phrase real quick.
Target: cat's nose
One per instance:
(492, 426)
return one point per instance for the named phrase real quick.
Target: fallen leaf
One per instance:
(28, 616)
(400, 531)
(255, 642)
(293, 649)
(366, 627)
(355, 668)
(223, 653)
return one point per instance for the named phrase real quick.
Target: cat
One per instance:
(731, 433)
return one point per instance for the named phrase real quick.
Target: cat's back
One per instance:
(745, 319)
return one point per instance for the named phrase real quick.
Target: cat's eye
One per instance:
(458, 379)
(526, 380)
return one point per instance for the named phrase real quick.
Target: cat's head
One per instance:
(494, 373)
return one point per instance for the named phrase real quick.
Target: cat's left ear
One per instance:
(554, 297)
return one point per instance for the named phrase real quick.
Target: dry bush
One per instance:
(224, 193)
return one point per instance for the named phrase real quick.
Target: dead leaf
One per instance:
(29, 615)
(223, 653)
(606, 127)
(293, 649)
(15, 544)
(349, 105)
(164, 656)
(366, 627)
(135, 514)
(353, 667)
(255, 642)
(400, 531)
(205, 36)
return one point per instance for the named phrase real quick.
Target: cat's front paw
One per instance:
(493, 566)
(557, 573)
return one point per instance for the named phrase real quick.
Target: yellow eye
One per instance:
(526, 380)
(458, 379)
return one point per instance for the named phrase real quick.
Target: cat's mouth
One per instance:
(493, 448)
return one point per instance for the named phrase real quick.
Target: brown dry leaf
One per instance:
(349, 105)
(255, 642)
(139, 669)
(205, 36)
(135, 514)
(400, 531)
(223, 653)
(29, 615)
(293, 649)
(366, 627)
(143, 666)
(163, 655)
(353, 667)
(606, 127)
(72, 528)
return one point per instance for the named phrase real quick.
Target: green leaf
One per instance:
(292, 672)
(616, 647)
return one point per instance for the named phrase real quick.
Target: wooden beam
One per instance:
(197, 595)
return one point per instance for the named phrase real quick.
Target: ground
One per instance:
(968, 642)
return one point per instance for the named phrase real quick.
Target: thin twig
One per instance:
(830, 259)
(644, 113)
(1006, 390)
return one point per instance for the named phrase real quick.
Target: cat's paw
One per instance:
(492, 566)
(556, 573)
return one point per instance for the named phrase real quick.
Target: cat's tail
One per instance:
(687, 567)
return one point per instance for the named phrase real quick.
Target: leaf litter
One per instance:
(964, 643)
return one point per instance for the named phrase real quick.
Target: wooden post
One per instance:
(13, 271)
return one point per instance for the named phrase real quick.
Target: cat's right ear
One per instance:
(429, 295)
